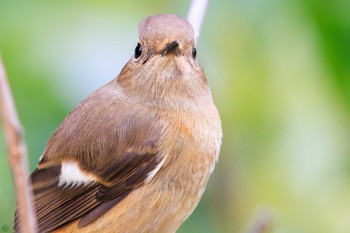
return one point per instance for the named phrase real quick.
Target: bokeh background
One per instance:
(280, 76)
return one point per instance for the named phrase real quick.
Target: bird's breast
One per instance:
(193, 141)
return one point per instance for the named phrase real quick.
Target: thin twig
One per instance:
(17, 151)
(262, 223)
(196, 15)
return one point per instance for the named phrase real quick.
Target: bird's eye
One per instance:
(194, 53)
(138, 51)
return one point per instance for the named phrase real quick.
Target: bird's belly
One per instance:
(183, 180)
(161, 205)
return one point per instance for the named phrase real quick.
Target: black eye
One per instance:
(138, 51)
(194, 53)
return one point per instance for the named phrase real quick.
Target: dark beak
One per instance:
(173, 47)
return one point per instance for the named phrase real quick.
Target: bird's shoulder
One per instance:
(106, 125)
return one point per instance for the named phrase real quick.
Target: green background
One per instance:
(280, 76)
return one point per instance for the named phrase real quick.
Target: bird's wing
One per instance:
(56, 205)
(92, 162)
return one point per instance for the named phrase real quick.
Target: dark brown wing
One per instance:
(57, 205)
(114, 141)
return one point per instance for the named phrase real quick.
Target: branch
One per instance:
(196, 15)
(17, 152)
(262, 223)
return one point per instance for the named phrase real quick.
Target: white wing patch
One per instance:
(72, 175)
(152, 173)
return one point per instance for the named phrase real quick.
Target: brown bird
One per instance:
(136, 155)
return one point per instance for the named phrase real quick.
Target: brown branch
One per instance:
(17, 152)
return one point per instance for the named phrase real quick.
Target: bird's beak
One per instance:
(173, 47)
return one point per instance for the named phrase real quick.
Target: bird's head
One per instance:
(164, 63)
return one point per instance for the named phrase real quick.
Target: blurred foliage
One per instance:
(280, 75)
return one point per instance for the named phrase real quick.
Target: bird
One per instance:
(136, 154)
